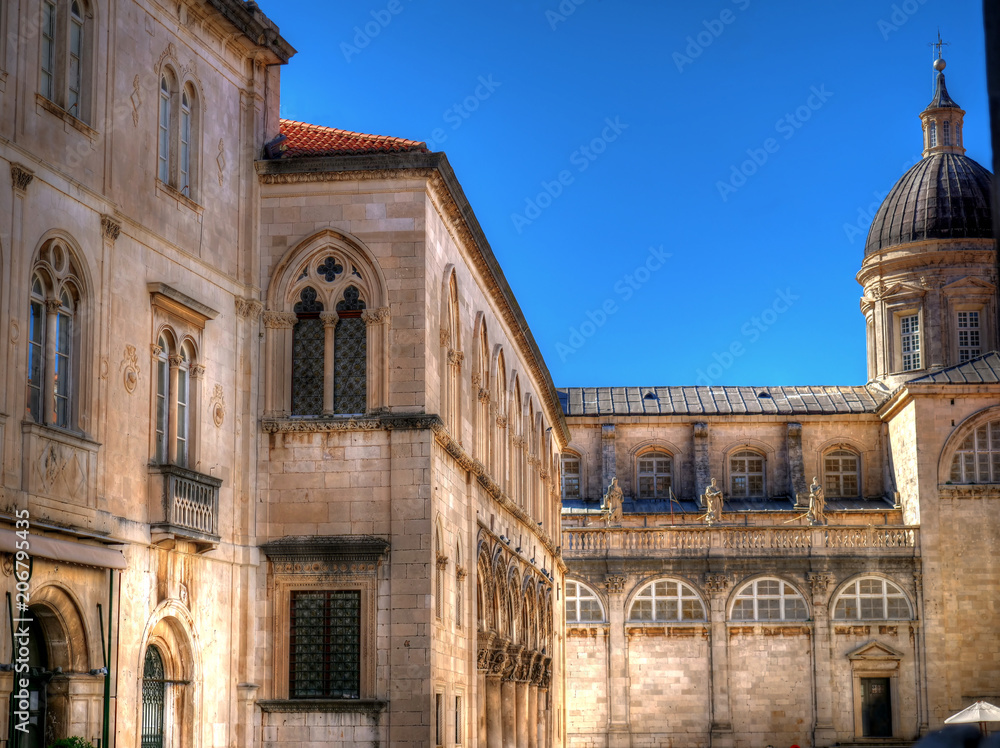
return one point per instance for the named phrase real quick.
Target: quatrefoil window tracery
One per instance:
(329, 269)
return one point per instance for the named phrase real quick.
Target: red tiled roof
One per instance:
(312, 140)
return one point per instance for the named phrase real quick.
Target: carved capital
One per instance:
(615, 583)
(175, 359)
(484, 395)
(52, 306)
(455, 358)
(248, 308)
(461, 573)
(716, 583)
(819, 581)
(155, 350)
(111, 228)
(378, 316)
(498, 660)
(279, 320)
(502, 421)
(701, 430)
(477, 379)
(21, 177)
(442, 561)
(330, 319)
(197, 371)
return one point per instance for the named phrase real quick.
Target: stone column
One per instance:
(608, 464)
(521, 705)
(494, 698)
(278, 362)
(175, 360)
(702, 466)
(330, 320)
(482, 669)
(377, 324)
(533, 708)
(823, 731)
(508, 693)
(544, 737)
(721, 714)
(619, 691)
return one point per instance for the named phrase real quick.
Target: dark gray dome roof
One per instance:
(944, 196)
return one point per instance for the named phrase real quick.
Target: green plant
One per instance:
(73, 742)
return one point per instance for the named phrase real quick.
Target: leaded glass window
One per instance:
(325, 645)
(36, 350)
(64, 348)
(667, 600)
(977, 459)
(871, 599)
(582, 604)
(350, 364)
(655, 474)
(909, 331)
(746, 474)
(153, 699)
(769, 600)
(841, 474)
(968, 336)
(307, 356)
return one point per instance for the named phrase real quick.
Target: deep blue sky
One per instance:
(687, 113)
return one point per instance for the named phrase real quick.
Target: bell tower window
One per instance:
(909, 333)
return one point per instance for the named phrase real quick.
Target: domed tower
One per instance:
(929, 272)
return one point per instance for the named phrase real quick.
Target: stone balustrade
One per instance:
(696, 542)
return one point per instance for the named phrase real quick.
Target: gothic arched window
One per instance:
(350, 355)
(308, 355)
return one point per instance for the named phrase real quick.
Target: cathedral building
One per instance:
(727, 599)
(283, 466)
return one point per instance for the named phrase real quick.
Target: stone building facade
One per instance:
(863, 614)
(282, 463)
(280, 446)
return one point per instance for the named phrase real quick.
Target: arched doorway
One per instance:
(154, 686)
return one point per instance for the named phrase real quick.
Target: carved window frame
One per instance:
(336, 563)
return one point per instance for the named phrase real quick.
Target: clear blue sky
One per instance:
(666, 98)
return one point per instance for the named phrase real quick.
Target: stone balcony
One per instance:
(579, 543)
(183, 505)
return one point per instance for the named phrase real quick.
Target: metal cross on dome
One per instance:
(330, 269)
(937, 46)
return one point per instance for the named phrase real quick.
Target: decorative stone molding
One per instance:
(981, 491)
(477, 379)
(136, 99)
(248, 308)
(130, 368)
(217, 406)
(373, 422)
(461, 573)
(498, 660)
(484, 395)
(279, 320)
(444, 337)
(819, 582)
(155, 350)
(615, 583)
(442, 561)
(220, 161)
(52, 306)
(378, 316)
(21, 177)
(502, 421)
(111, 228)
(455, 358)
(316, 553)
(716, 583)
(197, 371)
(323, 706)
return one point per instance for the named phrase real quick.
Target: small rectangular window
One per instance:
(75, 64)
(35, 355)
(64, 336)
(458, 720)
(182, 417)
(909, 330)
(162, 385)
(439, 720)
(968, 336)
(47, 87)
(325, 645)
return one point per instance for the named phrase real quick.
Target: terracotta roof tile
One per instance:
(303, 140)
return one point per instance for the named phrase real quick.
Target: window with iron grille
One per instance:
(655, 475)
(153, 699)
(325, 645)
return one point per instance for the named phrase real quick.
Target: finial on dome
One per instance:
(940, 64)
(942, 119)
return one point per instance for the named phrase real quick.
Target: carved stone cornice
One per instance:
(322, 706)
(339, 549)
(248, 308)
(279, 320)
(345, 176)
(21, 177)
(378, 316)
(111, 228)
(374, 422)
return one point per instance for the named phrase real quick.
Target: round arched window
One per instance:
(769, 600)
(872, 599)
(667, 600)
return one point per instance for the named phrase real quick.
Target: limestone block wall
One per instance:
(770, 686)
(587, 692)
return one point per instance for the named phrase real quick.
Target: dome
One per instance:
(944, 196)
